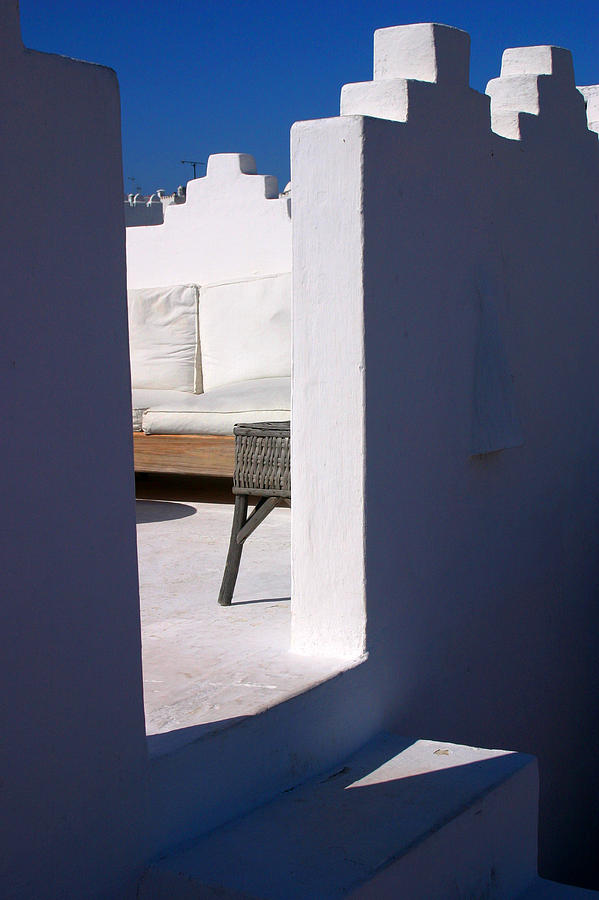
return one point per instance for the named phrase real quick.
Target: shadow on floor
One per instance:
(190, 488)
(261, 600)
(193, 488)
(159, 511)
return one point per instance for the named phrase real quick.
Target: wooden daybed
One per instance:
(184, 454)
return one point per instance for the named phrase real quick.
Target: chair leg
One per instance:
(234, 555)
(261, 511)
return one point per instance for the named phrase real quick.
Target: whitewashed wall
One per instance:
(233, 224)
(73, 749)
(445, 417)
(141, 214)
(590, 93)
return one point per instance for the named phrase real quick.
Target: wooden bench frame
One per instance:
(184, 454)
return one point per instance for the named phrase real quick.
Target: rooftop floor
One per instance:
(203, 663)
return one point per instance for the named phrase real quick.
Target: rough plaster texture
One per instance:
(444, 456)
(537, 81)
(232, 225)
(401, 818)
(327, 287)
(73, 758)
(414, 65)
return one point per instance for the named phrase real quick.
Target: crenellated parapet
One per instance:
(235, 172)
(536, 81)
(232, 224)
(421, 72)
(414, 65)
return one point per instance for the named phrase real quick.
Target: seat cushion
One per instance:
(142, 399)
(217, 411)
(163, 338)
(245, 330)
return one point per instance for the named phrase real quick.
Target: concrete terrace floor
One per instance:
(203, 663)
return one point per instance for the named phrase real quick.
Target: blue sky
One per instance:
(199, 78)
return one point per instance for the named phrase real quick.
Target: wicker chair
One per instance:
(262, 457)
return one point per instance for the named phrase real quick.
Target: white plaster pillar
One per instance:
(343, 212)
(328, 609)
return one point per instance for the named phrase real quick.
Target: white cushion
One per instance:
(217, 411)
(163, 337)
(245, 330)
(142, 398)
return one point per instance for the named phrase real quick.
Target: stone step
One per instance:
(203, 776)
(400, 818)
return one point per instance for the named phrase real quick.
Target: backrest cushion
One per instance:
(245, 330)
(163, 338)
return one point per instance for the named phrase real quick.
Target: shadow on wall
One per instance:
(168, 741)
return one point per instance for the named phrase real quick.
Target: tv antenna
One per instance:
(194, 163)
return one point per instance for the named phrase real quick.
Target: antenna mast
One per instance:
(194, 163)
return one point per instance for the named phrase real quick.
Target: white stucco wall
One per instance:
(73, 749)
(328, 392)
(232, 225)
(590, 92)
(140, 214)
(445, 424)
